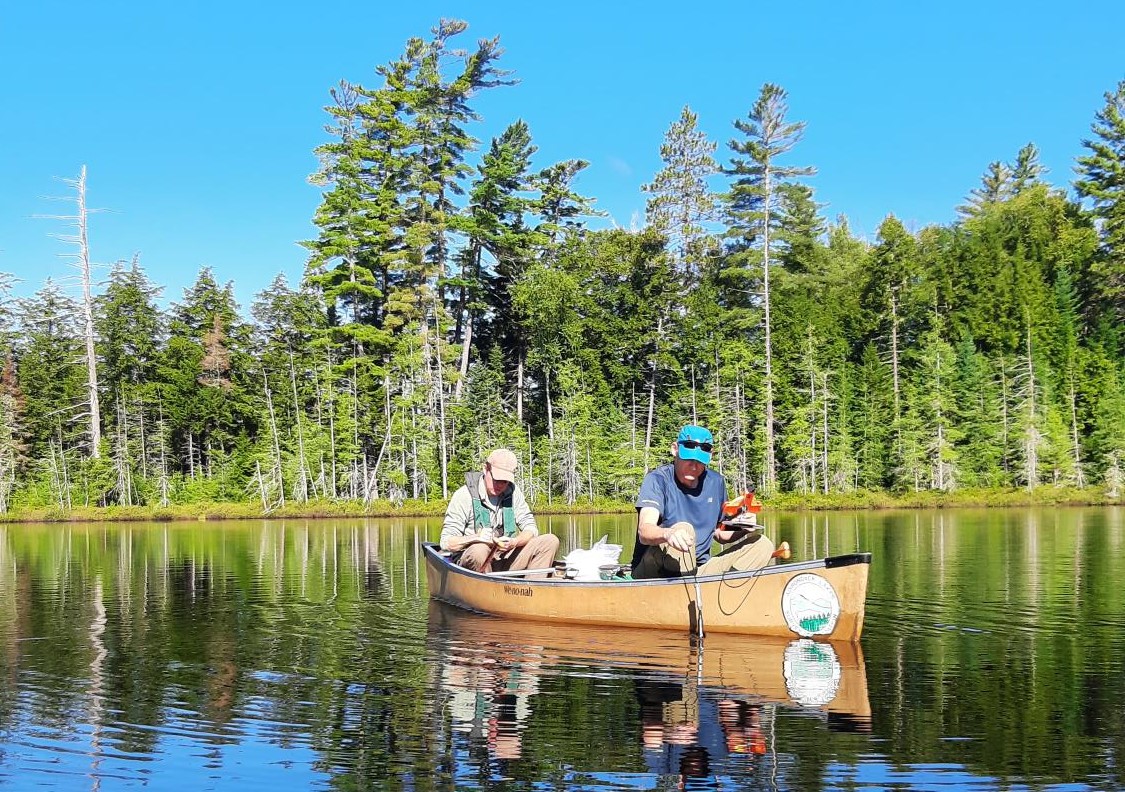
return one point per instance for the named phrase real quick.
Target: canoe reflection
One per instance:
(699, 705)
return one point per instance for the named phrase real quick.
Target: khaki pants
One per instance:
(539, 553)
(752, 552)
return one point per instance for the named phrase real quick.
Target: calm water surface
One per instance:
(306, 655)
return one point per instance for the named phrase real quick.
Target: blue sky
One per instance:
(197, 120)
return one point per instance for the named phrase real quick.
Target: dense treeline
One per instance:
(457, 299)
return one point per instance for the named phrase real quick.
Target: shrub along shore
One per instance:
(862, 500)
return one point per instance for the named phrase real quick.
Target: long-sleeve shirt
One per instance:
(459, 519)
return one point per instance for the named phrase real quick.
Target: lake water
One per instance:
(306, 655)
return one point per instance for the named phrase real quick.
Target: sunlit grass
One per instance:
(861, 499)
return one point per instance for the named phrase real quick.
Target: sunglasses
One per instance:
(694, 444)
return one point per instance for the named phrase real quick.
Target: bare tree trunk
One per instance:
(739, 434)
(550, 408)
(331, 391)
(824, 427)
(439, 392)
(530, 467)
(300, 486)
(1003, 415)
(652, 394)
(589, 472)
(261, 487)
(812, 417)
(633, 418)
(771, 457)
(88, 317)
(162, 485)
(894, 355)
(121, 457)
(694, 411)
(145, 471)
(414, 453)
(276, 440)
(387, 415)
(1079, 475)
(519, 389)
(1032, 436)
(465, 345)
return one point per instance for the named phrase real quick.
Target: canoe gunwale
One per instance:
(435, 555)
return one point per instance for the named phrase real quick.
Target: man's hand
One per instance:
(681, 536)
(508, 545)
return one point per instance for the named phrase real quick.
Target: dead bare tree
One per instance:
(82, 264)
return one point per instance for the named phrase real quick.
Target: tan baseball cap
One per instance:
(503, 464)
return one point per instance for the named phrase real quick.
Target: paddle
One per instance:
(519, 572)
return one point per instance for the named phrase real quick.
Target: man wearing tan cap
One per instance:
(490, 528)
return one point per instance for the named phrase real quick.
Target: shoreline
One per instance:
(858, 501)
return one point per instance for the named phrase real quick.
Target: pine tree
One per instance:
(500, 246)
(681, 203)
(996, 186)
(976, 410)
(937, 408)
(1102, 180)
(1027, 171)
(894, 268)
(873, 420)
(753, 215)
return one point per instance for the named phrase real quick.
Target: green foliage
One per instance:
(453, 304)
(1102, 180)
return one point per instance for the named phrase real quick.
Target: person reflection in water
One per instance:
(678, 730)
(741, 723)
(691, 736)
(490, 698)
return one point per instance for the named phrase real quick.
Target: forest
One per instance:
(458, 297)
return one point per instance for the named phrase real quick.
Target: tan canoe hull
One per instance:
(821, 599)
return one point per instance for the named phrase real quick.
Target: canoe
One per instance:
(821, 599)
(829, 676)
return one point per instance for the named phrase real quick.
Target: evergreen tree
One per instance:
(976, 410)
(886, 293)
(204, 374)
(996, 186)
(1027, 171)
(681, 203)
(753, 215)
(1102, 180)
(129, 326)
(873, 420)
(937, 408)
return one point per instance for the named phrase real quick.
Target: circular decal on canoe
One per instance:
(812, 672)
(810, 605)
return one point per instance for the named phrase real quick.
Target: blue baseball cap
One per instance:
(694, 442)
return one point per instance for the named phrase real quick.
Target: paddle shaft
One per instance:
(519, 572)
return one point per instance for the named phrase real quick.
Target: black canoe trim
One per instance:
(847, 560)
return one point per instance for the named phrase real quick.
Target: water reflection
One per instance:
(695, 710)
(304, 654)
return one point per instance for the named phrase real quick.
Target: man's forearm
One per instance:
(652, 534)
(457, 543)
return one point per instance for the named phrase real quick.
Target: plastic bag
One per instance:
(586, 562)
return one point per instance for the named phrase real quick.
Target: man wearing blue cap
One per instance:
(678, 513)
